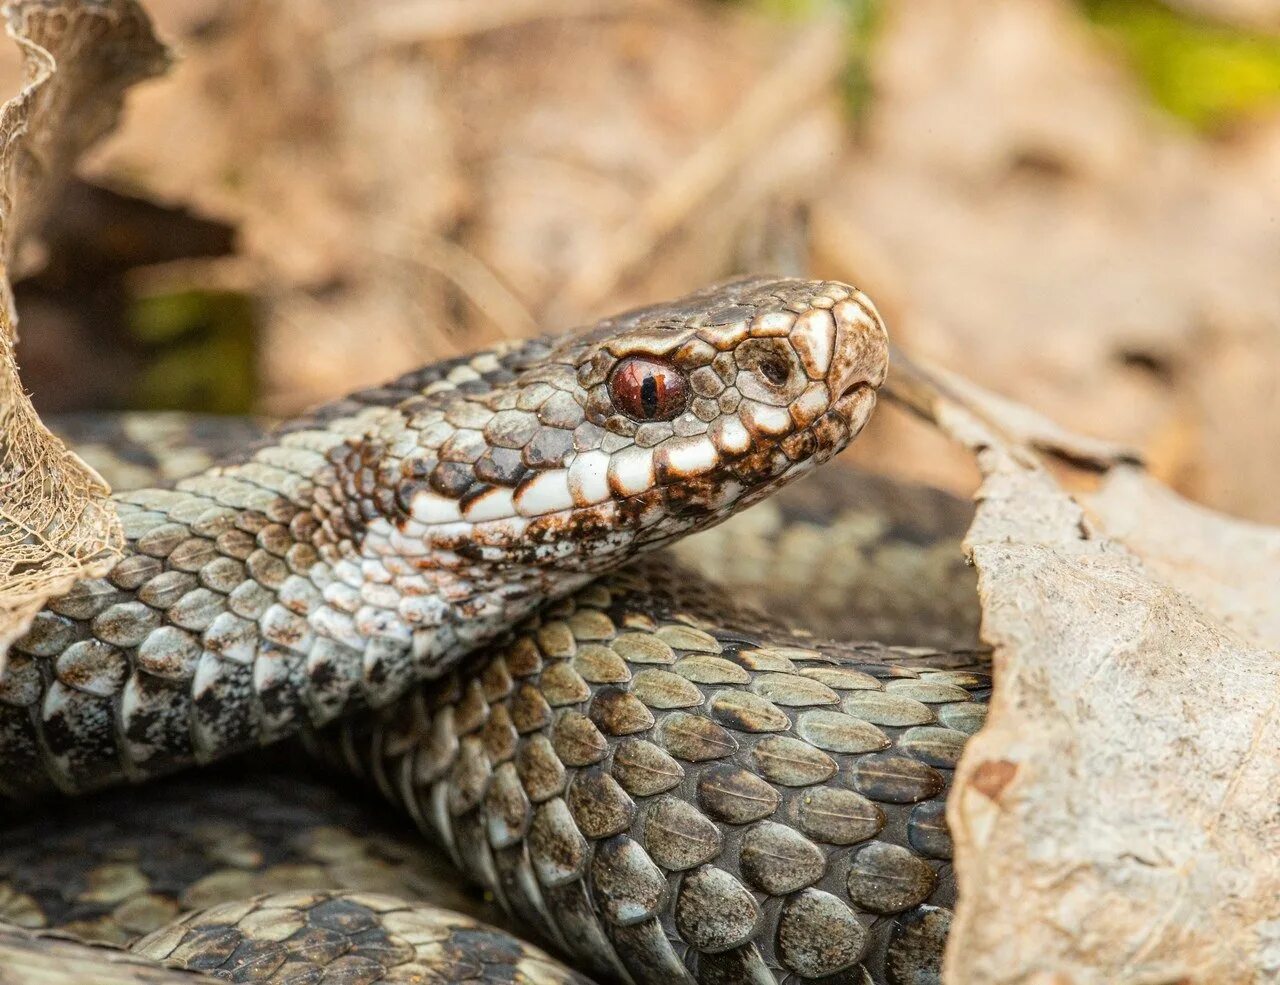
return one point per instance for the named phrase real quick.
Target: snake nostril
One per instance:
(775, 370)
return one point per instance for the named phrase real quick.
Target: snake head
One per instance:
(511, 477)
(646, 426)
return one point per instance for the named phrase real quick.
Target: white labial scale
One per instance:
(730, 435)
(764, 418)
(209, 673)
(589, 478)
(131, 704)
(810, 405)
(277, 670)
(729, 492)
(339, 668)
(388, 670)
(428, 507)
(678, 457)
(546, 492)
(800, 468)
(631, 471)
(430, 646)
(494, 504)
(55, 700)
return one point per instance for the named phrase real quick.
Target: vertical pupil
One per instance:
(649, 394)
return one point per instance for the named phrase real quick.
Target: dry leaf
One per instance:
(55, 525)
(1115, 821)
(428, 177)
(1024, 215)
(1231, 568)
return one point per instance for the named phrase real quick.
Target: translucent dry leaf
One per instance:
(1115, 821)
(79, 57)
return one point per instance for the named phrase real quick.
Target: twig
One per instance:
(415, 22)
(809, 66)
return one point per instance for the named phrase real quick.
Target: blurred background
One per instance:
(1073, 202)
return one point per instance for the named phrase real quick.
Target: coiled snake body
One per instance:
(651, 780)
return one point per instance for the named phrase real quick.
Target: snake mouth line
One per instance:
(856, 394)
(852, 388)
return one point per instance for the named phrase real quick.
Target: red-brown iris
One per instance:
(648, 390)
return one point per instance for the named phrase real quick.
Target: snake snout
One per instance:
(861, 345)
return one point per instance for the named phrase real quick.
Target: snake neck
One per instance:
(372, 543)
(253, 599)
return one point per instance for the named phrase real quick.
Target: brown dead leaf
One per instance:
(55, 525)
(1024, 215)
(1115, 821)
(410, 179)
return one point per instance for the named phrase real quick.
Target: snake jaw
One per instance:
(512, 493)
(752, 383)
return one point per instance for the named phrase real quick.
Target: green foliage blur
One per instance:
(200, 351)
(1204, 73)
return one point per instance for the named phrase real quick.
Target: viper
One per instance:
(451, 587)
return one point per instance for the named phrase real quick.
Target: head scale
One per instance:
(647, 426)
(516, 475)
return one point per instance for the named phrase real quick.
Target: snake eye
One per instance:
(647, 390)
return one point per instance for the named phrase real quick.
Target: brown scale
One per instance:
(356, 938)
(673, 790)
(123, 864)
(577, 730)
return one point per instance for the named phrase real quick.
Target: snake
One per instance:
(454, 589)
